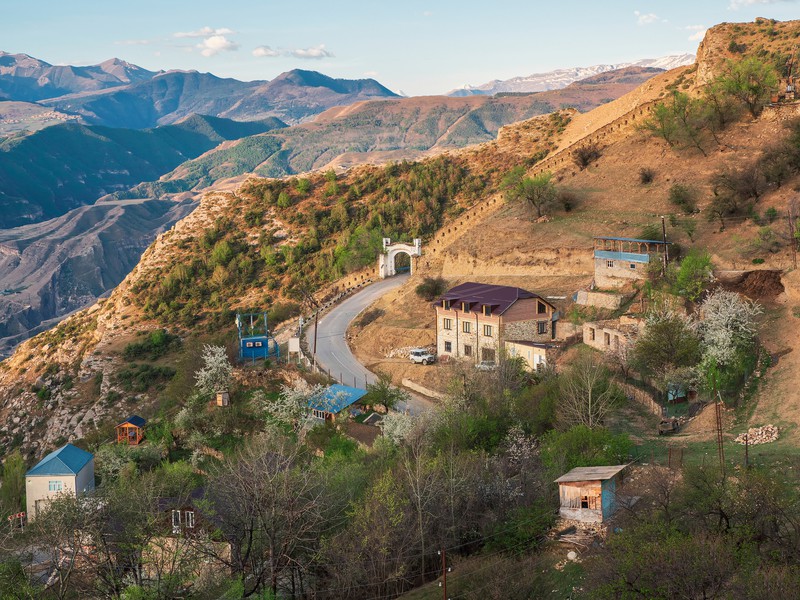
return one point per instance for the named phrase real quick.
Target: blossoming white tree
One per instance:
(728, 324)
(215, 375)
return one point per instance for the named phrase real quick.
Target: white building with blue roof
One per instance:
(333, 400)
(68, 470)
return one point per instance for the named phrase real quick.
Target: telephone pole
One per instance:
(720, 445)
(792, 236)
(664, 236)
(445, 570)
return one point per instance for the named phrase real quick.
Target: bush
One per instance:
(431, 288)
(581, 446)
(646, 175)
(282, 311)
(568, 199)
(586, 155)
(157, 344)
(683, 197)
(370, 316)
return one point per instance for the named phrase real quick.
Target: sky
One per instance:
(415, 47)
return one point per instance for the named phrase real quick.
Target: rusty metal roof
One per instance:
(591, 473)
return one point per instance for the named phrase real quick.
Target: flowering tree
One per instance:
(215, 375)
(727, 325)
(397, 426)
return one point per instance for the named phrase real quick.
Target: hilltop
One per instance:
(258, 246)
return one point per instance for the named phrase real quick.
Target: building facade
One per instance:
(618, 261)
(590, 494)
(68, 470)
(473, 320)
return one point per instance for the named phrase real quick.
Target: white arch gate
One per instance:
(386, 259)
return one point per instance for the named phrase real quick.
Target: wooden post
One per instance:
(792, 239)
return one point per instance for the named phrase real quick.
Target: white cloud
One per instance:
(427, 13)
(699, 32)
(737, 4)
(216, 44)
(645, 18)
(313, 53)
(265, 51)
(203, 32)
(133, 42)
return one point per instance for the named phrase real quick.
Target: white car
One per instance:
(422, 356)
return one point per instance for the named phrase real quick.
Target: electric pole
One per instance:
(445, 570)
(792, 236)
(664, 235)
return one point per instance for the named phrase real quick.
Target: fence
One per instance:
(643, 398)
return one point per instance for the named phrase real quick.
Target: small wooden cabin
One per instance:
(223, 398)
(589, 494)
(131, 431)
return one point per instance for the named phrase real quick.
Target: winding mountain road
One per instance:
(333, 353)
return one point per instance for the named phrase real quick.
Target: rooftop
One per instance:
(67, 460)
(135, 420)
(591, 473)
(499, 297)
(624, 239)
(336, 398)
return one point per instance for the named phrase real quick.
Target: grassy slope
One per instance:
(46, 173)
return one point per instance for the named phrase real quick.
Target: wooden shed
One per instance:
(131, 430)
(589, 494)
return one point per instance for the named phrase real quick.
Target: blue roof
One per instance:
(336, 398)
(68, 460)
(623, 239)
(134, 420)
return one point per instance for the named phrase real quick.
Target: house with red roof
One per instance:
(474, 321)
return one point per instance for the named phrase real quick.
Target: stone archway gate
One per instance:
(386, 266)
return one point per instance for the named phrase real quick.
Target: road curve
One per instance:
(333, 353)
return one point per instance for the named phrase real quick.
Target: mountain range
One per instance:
(559, 78)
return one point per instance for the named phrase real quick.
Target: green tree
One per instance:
(694, 274)
(583, 446)
(537, 192)
(667, 343)
(751, 81)
(384, 393)
(12, 492)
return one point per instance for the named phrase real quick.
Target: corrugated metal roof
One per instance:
(622, 239)
(134, 420)
(499, 297)
(336, 398)
(591, 473)
(68, 460)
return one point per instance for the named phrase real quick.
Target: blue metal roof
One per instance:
(134, 420)
(336, 398)
(68, 460)
(621, 239)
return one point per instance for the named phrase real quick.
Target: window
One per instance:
(487, 355)
(541, 327)
(610, 264)
(591, 334)
(176, 521)
(446, 304)
(487, 310)
(54, 485)
(465, 306)
(487, 330)
(448, 346)
(189, 518)
(467, 350)
(607, 338)
(248, 344)
(318, 414)
(448, 324)
(633, 265)
(259, 344)
(465, 327)
(541, 308)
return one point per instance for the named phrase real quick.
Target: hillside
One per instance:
(392, 129)
(259, 246)
(47, 173)
(168, 97)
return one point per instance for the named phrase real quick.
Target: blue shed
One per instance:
(589, 494)
(333, 400)
(255, 340)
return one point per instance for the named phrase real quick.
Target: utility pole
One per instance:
(720, 446)
(746, 452)
(314, 306)
(445, 571)
(792, 236)
(664, 235)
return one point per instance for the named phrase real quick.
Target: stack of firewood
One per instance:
(758, 435)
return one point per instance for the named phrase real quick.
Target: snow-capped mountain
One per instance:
(561, 78)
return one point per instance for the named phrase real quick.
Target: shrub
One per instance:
(157, 344)
(646, 175)
(282, 311)
(370, 316)
(431, 288)
(568, 199)
(586, 155)
(771, 214)
(683, 197)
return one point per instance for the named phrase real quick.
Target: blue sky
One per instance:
(414, 46)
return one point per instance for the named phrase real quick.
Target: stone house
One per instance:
(612, 335)
(536, 355)
(618, 261)
(68, 470)
(473, 320)
(590, 494)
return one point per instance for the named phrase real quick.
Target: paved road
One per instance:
(333, 353)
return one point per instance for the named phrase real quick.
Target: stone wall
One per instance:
(601, 299)
(527, 331)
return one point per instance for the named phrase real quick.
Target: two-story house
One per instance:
(475, 320)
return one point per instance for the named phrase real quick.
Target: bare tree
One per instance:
(586, 392)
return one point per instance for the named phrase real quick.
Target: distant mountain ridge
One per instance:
(560, 78)
(29, 79)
